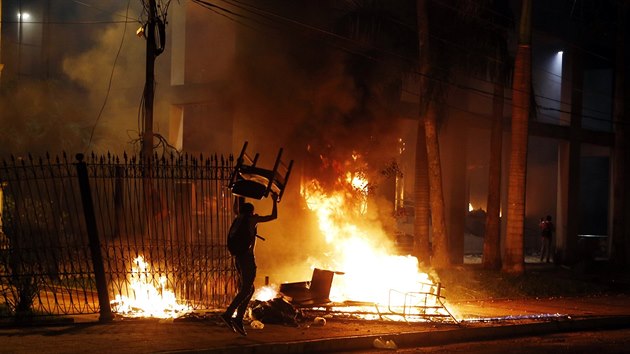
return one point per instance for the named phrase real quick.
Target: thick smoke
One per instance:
(54, 103)
(39, 117)
(323, 105)
(283, 87)
(118, 127)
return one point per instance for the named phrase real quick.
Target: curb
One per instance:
(425, 338)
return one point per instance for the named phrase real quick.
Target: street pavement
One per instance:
(478, 320)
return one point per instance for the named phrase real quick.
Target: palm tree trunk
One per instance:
(421, 191)
(421, 199)
(513, 261)
(491, 242)
(428, 118)
(441, 256)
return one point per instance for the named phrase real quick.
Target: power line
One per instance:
(226, 13)
(69, 22)
(125, 16)
(271, 16)
(111, 77)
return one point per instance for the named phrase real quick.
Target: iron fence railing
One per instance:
(72, 231)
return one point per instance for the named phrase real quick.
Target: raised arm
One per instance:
(274, 211)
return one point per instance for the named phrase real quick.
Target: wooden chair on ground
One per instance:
(311, 293)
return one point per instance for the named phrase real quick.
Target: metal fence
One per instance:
(72, 231)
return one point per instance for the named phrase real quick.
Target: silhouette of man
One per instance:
(246, 264)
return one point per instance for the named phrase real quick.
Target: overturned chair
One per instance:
(311, 293)
(251, 181)
(313, 297)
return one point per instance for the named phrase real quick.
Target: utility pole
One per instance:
(155, 33)
(147, 134)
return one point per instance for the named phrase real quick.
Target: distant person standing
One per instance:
(546, 232)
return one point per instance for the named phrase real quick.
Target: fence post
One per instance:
(93, 240)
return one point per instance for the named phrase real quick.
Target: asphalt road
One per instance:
(502, 318)
(598, 342)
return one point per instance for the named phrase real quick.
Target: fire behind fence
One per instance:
(71, 229)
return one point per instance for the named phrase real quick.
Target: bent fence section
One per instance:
(74, 232)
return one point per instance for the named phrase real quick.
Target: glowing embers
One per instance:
(148, 295)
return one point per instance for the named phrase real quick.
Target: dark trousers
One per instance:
(246, 268)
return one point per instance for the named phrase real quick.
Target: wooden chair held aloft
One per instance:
(252, 181)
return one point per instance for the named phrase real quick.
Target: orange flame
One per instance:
(265, 293)
(360, 248)
(149, 297)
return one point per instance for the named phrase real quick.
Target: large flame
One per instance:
(148, 297)
(356, 246)
(361, 249)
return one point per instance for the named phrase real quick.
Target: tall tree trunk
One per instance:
(491, 242)
(421, 191)
(620, 237)
(441, 256)
(513, 261)
(428, 118)
(421, 224)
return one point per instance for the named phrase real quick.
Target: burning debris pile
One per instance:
(375, 278)
(372, 281)
(148, 296)
(276, 311)
(303, 301)
(358, 272)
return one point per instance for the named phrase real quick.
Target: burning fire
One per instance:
(265, 293)
(356, 246)
(149, 297)
(359, 248)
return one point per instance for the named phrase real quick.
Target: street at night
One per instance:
(273, 176)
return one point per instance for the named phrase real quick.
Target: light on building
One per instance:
(23, 16)
(556, 64)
